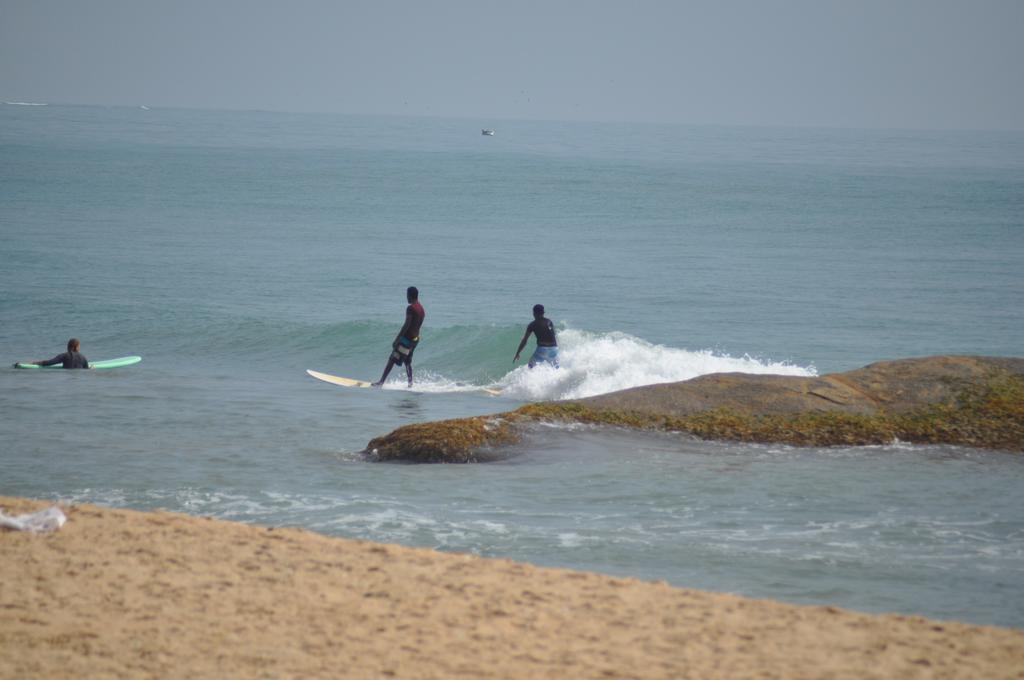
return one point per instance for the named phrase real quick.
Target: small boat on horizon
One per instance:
(487, 133)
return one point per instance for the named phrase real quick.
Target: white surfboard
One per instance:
(338, 380)
(352, 382)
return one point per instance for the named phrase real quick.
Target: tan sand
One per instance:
(116, 593)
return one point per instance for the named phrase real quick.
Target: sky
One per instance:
(943, 64)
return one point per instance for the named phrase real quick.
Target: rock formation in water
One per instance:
(963, 400)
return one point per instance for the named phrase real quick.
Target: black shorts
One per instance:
(402, 353)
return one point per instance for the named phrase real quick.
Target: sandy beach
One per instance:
(118, 593)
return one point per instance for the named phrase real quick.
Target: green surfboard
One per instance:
(106, 363)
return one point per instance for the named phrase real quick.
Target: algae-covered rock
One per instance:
(446, 441)
(970, 401)
(896, 386)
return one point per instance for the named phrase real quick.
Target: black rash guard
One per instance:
(68, 359)
(544, 330)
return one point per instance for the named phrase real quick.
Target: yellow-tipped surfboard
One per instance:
(338, 380)
(352, 382)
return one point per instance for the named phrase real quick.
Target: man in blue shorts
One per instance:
(547, 345)
(407, 339)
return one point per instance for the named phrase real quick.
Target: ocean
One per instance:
(233, 250)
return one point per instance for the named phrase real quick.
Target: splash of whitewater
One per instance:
(593, 364)
(598, 363)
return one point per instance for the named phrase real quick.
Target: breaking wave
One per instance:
(592, 364)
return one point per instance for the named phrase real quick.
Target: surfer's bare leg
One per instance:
(387, 369)
(408, 371)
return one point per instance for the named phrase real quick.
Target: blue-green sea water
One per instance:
(234, 250)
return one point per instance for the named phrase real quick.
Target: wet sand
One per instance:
(117, 593)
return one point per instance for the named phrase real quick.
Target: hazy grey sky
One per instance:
(860, 63)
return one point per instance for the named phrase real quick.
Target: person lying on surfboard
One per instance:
(70, 359)
(408, 337)
(547, 345)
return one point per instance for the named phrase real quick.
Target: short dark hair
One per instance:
(412, 292)
(73, 345)
(538, 310)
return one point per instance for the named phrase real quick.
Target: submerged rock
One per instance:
(965, 400)
(447, 441)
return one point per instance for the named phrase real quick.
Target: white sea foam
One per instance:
(26, 104)
(428, 382)
(598, 363)
(594, 364)
(570, 540)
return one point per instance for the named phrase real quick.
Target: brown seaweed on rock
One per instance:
(968, 401)
(459, 440)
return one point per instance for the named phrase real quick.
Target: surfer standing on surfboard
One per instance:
(408, 337)
(547, 345)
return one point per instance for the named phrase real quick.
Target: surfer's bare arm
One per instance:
(526, 336)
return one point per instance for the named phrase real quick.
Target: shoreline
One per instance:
(128, 593)
(960, 400)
